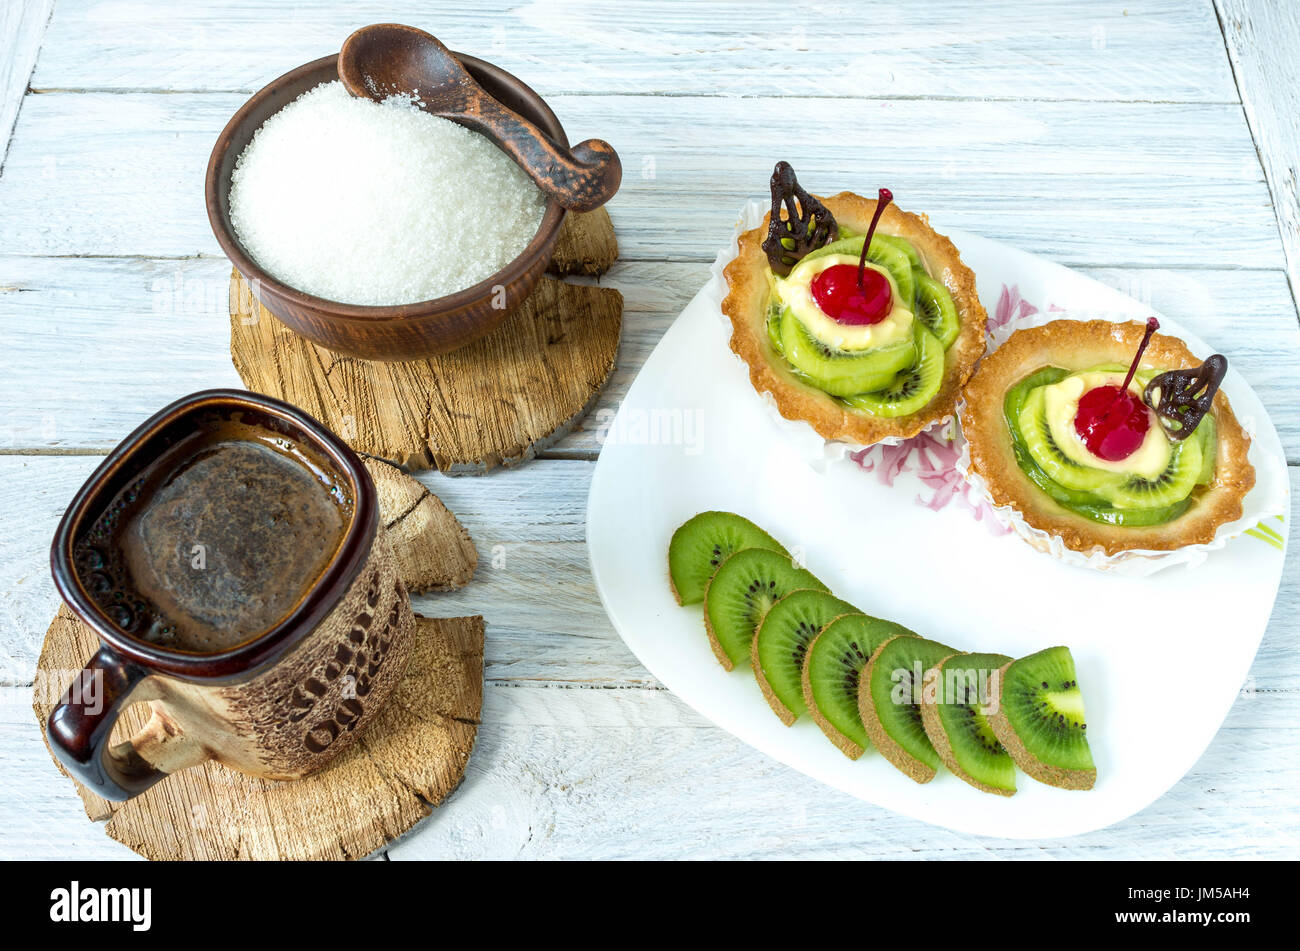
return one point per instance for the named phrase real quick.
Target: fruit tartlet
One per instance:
(857, 317)
(1107, 436)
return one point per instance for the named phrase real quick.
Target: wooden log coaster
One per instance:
(434, 552)
(409, 760)
(497, 401)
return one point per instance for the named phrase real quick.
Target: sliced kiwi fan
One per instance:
(870, 682)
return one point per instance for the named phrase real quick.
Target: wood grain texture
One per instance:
(1261, 36)
(587, 245)
(562, 770)
(381, 59)
(496, 401)
(634, 773)
(533, 584)
(103, 314)
(434, 552)
(1123, 181)
(22, 27)
(411, 758)
(1165, 50)
(1116, 142)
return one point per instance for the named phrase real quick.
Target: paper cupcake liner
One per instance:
(1269, 498)
(954, 482)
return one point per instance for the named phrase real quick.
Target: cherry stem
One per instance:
(1152, 326)
(886, 196)
(1104, 420)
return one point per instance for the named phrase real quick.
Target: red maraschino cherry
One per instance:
(856, 295)
(846, 300)
(1111, 421)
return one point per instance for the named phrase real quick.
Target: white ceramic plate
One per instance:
(1160, 659)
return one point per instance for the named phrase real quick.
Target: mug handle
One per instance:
(79, 729)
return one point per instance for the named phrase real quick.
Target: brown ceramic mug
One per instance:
(280, 704)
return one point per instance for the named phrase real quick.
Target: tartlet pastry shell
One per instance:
(1079, 345)
(746, 307)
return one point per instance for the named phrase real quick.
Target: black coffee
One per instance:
(216, 542)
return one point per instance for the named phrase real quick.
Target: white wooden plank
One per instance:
(633, 773)
(1262, 38)
(42, 817)
(581, 754)
(1260, 338)
(533, 585)
(1136, 185)
(22, 26)
(1116, 49)
(83, 334)
(544, 620)
(564, 770)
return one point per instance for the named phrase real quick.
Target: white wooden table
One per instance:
(1150, 143)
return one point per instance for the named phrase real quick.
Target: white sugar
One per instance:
(378, 203)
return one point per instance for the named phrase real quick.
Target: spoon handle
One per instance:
(581, 178)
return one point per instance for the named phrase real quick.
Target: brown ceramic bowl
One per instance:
(406, 331)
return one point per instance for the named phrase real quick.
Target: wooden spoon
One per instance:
(388, 59)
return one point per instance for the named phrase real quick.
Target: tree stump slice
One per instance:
(408, 761)
(497, 401)
(586, 245)
(434, 552)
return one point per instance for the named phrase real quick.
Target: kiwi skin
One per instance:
(719, 651)
(756, 538)
(880, 738)
(1030, 764)
(843, 743)
(939, 736)
(847, 746)
(784, 713)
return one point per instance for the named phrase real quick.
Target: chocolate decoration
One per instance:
(1181, 398)
(806, 227)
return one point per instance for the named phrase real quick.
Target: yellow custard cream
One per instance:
(1061, 402)
(796, 291)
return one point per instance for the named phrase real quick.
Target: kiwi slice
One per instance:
(1037, 713)
(1208, 433)
(702, 543)
(1060, 468)
(782, 639)
(953, 717)
(842, 372)
(889, 699)
(912, 389)
(935, 309)
(1088, 504)
(913, 256)
(773, 325)
(882, 253)
(741, 592)
(1132, 518)
(832, 668)
(1013, 405)
(1172, 486)
(1014, 401)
